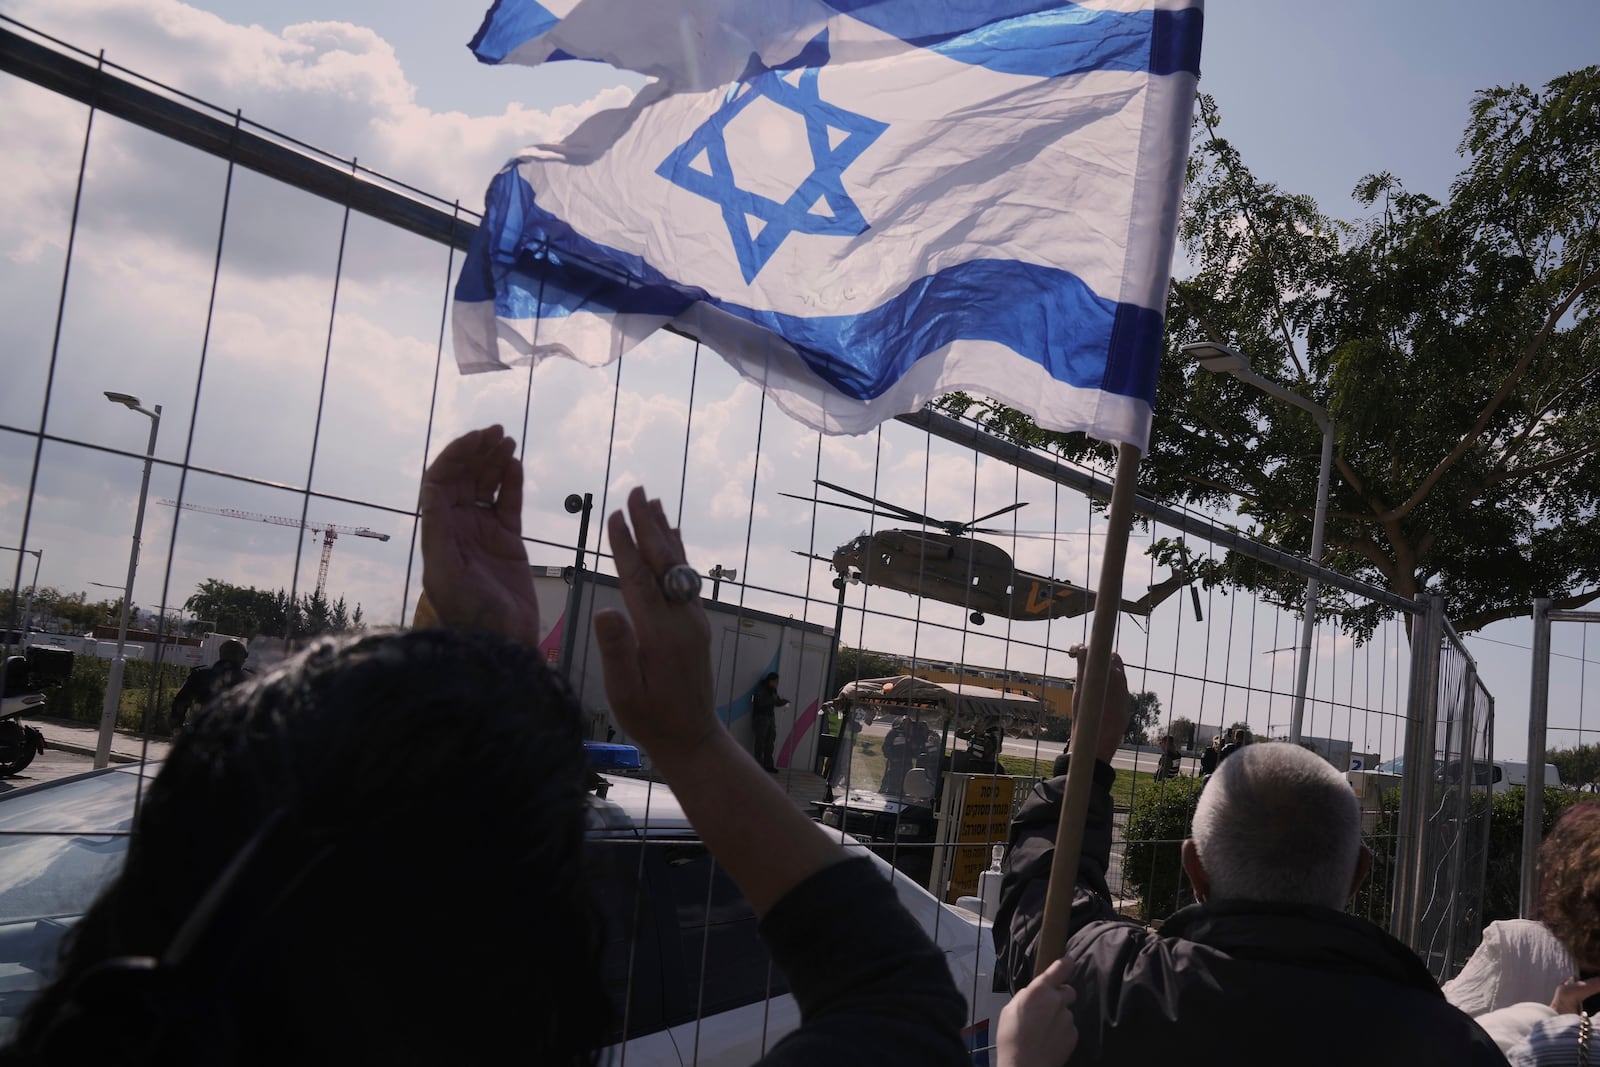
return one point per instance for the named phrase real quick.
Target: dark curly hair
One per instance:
(409, 810)
(1569, 886)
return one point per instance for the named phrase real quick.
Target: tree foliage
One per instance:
(1453, 342)
(1144, 712)
(1579, 765)
(52, 608)
(856, 663)
(1182, 728)
(246, 611)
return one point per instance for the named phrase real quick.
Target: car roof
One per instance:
(633, 805)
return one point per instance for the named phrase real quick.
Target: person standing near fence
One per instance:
(1171, 757)
(205, 683)
(764, 705)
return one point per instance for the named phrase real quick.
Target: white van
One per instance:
(1500, 777)
(1508, 773)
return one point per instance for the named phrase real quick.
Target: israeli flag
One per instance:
(860, 204)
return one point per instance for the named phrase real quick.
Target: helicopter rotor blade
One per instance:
(846, 507)
(1003, 511)
(1045, 535)
(906, 514)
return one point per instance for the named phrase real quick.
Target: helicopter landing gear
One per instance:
(977, 618)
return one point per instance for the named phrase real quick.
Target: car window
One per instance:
(681, 942)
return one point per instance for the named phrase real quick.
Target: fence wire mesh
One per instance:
(289, 309)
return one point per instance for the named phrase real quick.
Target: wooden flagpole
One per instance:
(1088, 708)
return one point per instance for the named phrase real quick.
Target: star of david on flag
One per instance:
(758, 224)
(859, 205)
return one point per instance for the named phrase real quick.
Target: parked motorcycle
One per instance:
(19, 743)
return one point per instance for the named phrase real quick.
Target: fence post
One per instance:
(1533, 802)
(1421, 709)
(1466, 777)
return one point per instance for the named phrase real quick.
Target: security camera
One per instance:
(574, 503)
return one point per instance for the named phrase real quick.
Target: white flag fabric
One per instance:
(860, 204)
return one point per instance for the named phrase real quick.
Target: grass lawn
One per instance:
(1121, 790)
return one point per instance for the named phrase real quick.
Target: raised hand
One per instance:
(1118, 706)
(1036, 1026)
(1571, 994)
(474, 566)
(658, 666)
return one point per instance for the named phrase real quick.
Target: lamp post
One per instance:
(27, 609)
(841, 754)
(580, 506)
(108, 714)
(1220, 359)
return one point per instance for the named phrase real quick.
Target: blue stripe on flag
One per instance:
(1039, 38)
(1049, 316)
(509, 24)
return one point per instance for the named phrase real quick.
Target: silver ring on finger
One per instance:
(680, 584)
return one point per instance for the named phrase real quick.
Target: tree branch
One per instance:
(1495, 402)
(1214, 335)
(1536, 420)
(1371, 550)
(1514, 611)
(1255, 231)
(1538, 468)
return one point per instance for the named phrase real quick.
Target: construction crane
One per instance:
(328, 530)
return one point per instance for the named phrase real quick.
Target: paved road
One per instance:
(53, 763)
(1126, 759)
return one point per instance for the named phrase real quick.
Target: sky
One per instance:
(1316, 96)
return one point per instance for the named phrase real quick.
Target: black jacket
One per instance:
(1228, 982)
(765, 700)
(872, 989)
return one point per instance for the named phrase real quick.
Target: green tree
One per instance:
(1454, 343)
(855, 663)
(1144, 712)
(246, 611)
(1182, 729)
(1578, 765)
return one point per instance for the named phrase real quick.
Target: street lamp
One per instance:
(1220, 359)
(580, 506)
(841, 754)
(27, 610)
(108, 714)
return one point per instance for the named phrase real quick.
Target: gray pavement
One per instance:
(67, 735)
(52, 764)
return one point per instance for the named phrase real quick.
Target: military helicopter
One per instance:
(944, 563)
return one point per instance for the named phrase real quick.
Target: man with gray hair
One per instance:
(1266, 967)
